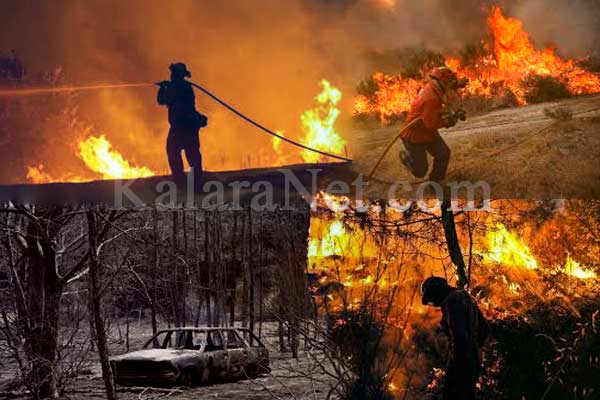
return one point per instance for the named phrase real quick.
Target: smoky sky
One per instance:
(109, 39)
(265, 56)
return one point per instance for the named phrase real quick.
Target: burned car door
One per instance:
(238, 353)
(258, 355)
(218, 357)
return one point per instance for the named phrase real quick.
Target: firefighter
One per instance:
(178, 95)
(466, 328)
(423, 136)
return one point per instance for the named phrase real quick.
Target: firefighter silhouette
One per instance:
(178, 95)
(466, 329)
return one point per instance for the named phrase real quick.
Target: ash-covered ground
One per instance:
(289, 379)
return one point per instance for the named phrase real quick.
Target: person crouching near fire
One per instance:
(178, 95)
(423, 136)
(466, 328)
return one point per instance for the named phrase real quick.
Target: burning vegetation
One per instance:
(103, 160)
(505, 66)
(529, 266)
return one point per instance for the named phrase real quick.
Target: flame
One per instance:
(506, 248)
(101, 159)
(38, 174)
(515, 58)
(97, 154)
(575, 270)
(508, 280)
(508, 59)
(318, 124)
(393, 97)
(333, 241)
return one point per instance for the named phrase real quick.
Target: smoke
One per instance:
(572, 26)
(265, 57)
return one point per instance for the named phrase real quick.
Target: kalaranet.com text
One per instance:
(264, 195)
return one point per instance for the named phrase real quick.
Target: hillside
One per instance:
(506, 148)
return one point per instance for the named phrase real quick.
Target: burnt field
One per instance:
(289, 378)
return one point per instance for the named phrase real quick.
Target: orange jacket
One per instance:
(428, 105)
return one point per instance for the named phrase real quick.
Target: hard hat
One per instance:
(180, 68)
(443, 74)
(432, 288)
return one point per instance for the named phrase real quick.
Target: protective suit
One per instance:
(423, 136)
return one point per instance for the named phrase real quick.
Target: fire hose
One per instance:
(264, 128)
(390, 144)
(42, 91)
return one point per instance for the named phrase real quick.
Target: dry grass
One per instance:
(559, 162)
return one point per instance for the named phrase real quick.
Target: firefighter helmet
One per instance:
(443, 74)
(181, 69)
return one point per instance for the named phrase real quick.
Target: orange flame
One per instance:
(508, 249)
(318, 124)
(510, 58)
(574, 269)
(97, 154)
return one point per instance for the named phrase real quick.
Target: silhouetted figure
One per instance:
(11, 68)
(178, 95)
(466, 329)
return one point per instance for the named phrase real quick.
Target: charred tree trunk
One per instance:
(208, 268)
(232, 298)
(44, 289)
(94, 299)
(155, 267)
(250, 268)
(453, 244)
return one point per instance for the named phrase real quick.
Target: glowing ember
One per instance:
(318, 125)
(575, 270)
(97, 154)
(507, 61)
(506, 248)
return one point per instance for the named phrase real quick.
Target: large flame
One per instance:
(506, 248)
(509, 58)
(318, 124)
(102, 160)
(98, 155)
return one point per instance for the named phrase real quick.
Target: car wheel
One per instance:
(186, 378)
(205, 376)
(206, 373)
(251, 371)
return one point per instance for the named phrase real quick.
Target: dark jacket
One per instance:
(465, 326)
(178, 96)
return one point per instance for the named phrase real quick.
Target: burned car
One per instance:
(192, 356)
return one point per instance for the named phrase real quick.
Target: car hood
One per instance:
(155, 355)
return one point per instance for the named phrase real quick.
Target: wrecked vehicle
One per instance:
(192, 356)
